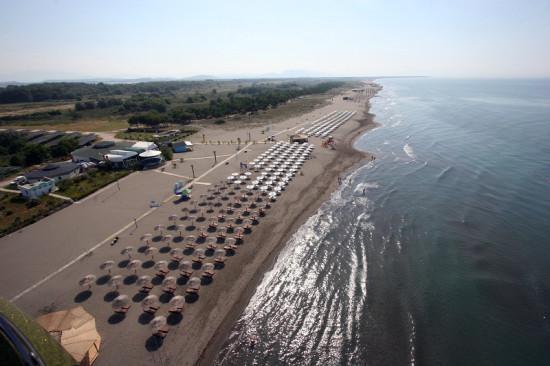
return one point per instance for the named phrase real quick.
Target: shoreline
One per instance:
(343, 162)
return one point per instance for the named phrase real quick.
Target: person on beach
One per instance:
(339, 181)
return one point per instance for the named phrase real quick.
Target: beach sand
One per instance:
(206, 323)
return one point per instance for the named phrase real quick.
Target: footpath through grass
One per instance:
(89, 182)
(17, 212)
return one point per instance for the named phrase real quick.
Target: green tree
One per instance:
(35, 154)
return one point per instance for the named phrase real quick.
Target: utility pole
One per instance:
(193, 170)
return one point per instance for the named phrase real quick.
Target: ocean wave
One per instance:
(444, 173)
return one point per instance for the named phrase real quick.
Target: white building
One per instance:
(37, 189)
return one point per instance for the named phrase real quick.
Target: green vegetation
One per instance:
(49, 350)
(85, 184)
(15, 151)
(141, 135)
(153, 104)
(167, 153)
(17, 212)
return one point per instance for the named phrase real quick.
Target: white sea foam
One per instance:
(409, 151)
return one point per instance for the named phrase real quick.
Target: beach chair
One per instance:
(123, 309)
(146, 289)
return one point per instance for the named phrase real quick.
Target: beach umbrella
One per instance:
(194, 283)
(219, 254)
(180, 229)
(160, 228)
(169, 282)
(151, 251)
(115, 281)
(150, 301)
(87, 281)
(173, 218)
(161, 265)
(185, 266)
(157, 323)
(177, 301)
(107, 266)
(120, 302)
(147, 237)
(127, 251)
(168, 238)
(134, 264)
(145, 280)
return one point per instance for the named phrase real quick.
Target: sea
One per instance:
(436, 253)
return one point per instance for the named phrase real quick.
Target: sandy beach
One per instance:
(196, 338)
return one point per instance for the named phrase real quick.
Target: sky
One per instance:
(71, 39)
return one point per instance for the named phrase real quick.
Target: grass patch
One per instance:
(82, 125)
(148, 136)
(50, 351)
(17, 212)
(135, 136)
(81, 186)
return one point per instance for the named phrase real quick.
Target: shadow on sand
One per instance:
(116, 318)
(83, 296)
(153, 343)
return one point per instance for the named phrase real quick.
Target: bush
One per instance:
(219, 122)
(167, 152)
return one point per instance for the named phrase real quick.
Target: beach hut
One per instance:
(75, 330)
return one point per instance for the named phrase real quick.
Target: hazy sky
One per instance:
(45, 39)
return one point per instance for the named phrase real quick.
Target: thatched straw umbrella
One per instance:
(186, 269)
(115, 281)
(121, 304)
(150, 304)
(176, 304)
(107, 266)
(151, 251)
(208, 270)
(127, 251)
(87, 281)
(134, 265)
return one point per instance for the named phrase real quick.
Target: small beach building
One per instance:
(37, 189)
(299, 138)
(96, 152)
(145, 145)
(55, 171)
(182, 146)
(121, 158)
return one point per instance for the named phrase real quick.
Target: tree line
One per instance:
(244, 100)
(56, 91)
(16, 151)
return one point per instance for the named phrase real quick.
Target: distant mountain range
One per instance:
(287, 74)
